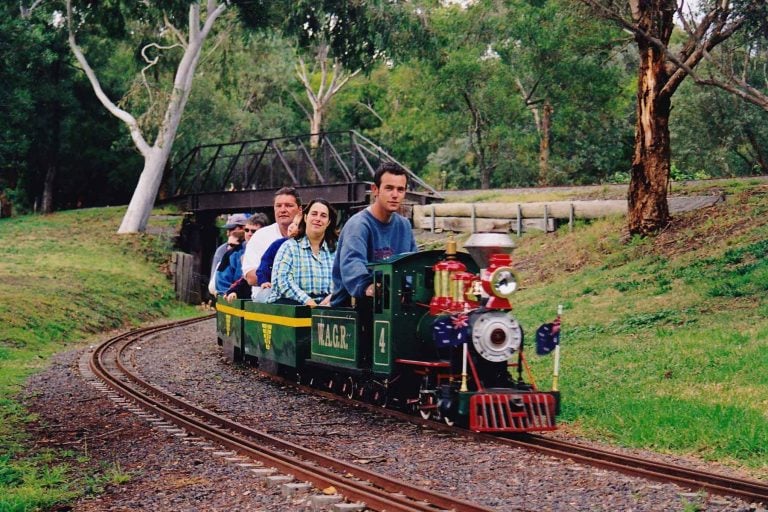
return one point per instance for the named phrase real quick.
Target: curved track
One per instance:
(749, 490)
(694, 479)
(377, 491)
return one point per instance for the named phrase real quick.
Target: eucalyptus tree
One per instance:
(531, 95)
(340, 39)
(200, 22)
(332, 78)
(661, 70)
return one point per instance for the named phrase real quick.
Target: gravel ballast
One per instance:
(168, 474)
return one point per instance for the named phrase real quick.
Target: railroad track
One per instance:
(376, 491)
(693, 479)
(748, 490)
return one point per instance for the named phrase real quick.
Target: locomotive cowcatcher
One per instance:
(437, 338)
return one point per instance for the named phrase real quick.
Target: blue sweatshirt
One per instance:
(364, 239)
(264, 272)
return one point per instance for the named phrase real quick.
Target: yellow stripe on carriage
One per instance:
(265, 318)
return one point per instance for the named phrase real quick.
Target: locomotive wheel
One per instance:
(349, 388)
(366, 392)
(379, 397)
(362, 392)
(427, 399)
(449, 421)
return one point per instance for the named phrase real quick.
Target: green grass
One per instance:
(65, 278)
(665, 340)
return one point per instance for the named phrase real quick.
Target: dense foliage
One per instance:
(499, 93)
(51, 122)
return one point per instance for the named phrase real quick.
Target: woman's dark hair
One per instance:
(331, 236)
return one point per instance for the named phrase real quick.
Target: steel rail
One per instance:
(379, 497)
(750, 490)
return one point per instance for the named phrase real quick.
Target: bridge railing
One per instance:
(339, 157)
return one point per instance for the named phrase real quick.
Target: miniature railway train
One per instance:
(437, 339)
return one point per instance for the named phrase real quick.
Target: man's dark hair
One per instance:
(289, 191)
(391, 168)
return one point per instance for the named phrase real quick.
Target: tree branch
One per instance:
(150, 63)
(301, 105)
(26, 12)
(371, 110)
(128, 119)
(301, 72)
(178, 35)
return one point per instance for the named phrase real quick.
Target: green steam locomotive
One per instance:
(437, 339)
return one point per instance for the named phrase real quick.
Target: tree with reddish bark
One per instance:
(661, 70)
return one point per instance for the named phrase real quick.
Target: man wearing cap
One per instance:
(287, 204)
(234, 226)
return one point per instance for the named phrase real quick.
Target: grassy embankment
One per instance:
(66, 277)
(665, 340)
(664, 344)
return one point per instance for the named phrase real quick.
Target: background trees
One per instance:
(662, 69)
(500, 93)
(54, 138)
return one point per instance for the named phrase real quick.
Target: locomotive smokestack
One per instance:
(482, 245)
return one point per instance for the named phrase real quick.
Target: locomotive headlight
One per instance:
(503, 282)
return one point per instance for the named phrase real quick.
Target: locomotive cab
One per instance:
(401, 326)
(367, 340)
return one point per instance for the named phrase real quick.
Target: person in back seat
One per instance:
(234, 226)
(239, 287)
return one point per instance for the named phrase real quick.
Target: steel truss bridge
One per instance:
(243, 175)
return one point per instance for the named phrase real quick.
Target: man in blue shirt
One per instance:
(373, 234)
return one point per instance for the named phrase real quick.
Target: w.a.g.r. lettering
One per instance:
(332, 335)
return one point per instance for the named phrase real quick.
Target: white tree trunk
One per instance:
(330, 84)
(143, 199)
(155, 156)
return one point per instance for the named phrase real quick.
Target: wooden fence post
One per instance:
(433, 217)
(185, 277)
